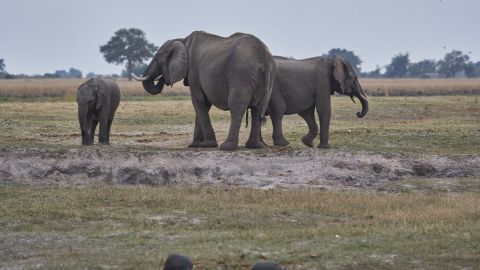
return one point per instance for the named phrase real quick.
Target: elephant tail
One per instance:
(269, 77)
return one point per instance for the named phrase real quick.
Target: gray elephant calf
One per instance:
(97, 100)
(302, 85)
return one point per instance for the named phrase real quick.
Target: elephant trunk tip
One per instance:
(364, 101)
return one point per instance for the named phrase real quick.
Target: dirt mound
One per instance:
(259, 169)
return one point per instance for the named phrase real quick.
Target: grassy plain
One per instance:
(445, 125)
(416, 223)
(65, 89)
(136, 227)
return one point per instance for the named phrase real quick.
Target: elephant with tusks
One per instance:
(232, 73)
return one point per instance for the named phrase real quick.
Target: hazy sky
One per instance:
(43, 36)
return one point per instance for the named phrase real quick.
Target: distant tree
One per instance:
(52, 75)
(477, 69)
(350, 56)
(421, 68)
(376, 73)
(470, 70)
(90, 75)
(58, 74)
(398, 67)
(138, 68)
(2, 65)
(74, 73)
(130, 46)
(452, 63)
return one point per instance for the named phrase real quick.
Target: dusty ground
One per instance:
(270, 168)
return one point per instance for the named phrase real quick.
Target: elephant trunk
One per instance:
(149, 83)
(152, 88)
(363, 99)
(84, 125)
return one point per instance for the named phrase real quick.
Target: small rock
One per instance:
(178, 262)
(267, 265)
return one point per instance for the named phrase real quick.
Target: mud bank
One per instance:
(259, 169)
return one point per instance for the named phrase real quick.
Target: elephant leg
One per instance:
(103, 134)
(84, 132)
(93, 127)
(324, 111)
(309, 117)
(261, 139)
(236, 114)
(254, 139)
(109, 127)
(238, 100)
(277, 108)
(277, 134)
(202, 107)
(197, 134)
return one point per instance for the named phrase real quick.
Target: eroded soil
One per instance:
(280, 168)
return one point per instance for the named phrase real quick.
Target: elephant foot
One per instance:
(307, 141)
(209, 144)
(254, 144)
(228, 146)
(324, 146)
(280, 142)
(194, 144)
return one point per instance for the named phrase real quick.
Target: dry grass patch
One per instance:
(138, 226)
(420, 87)
(67, 88)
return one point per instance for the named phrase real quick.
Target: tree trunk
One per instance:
(129, 69)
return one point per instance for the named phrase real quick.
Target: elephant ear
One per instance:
(101, 89)
(178, 64)
(342, 75)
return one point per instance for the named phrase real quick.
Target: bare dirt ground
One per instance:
(272, 168)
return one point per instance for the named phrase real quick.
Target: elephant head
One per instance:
(168, 66)
(346, 83)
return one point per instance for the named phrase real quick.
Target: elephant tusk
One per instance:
(159, 77)
(138, 78)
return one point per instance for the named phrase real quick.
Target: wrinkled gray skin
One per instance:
(303, 85)
(97, 101)
(267, 265)
(178, 262)
(232, 73)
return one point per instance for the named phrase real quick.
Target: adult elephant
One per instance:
(233, 73)
(303, 85)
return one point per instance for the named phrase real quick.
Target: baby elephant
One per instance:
(97, 100)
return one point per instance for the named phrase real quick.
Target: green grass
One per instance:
(415, 223)
(443, 125)
(137, 227)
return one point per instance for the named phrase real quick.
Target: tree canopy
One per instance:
(398, 68)
(421, 68)
(452, 63)
(2, 65)
(350, 56)
(128, 46)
